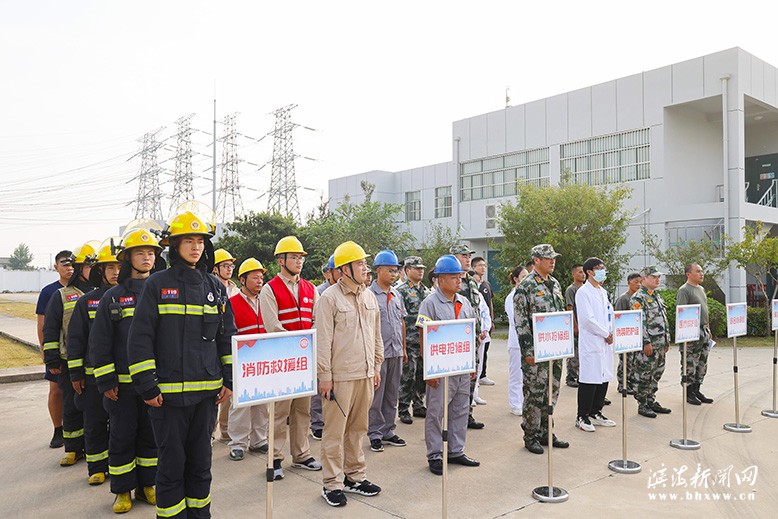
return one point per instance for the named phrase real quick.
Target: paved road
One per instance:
(35, 486)
(22, 297)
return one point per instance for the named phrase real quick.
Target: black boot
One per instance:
(702, 398)
(691, 395)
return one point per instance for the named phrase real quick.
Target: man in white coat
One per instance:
(595, 347)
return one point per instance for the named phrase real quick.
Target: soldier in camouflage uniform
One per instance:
(412, 387)
(538, 292)
(470, 291)
(650, 363)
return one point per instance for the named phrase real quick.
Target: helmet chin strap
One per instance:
(286, 269)
(351, 277)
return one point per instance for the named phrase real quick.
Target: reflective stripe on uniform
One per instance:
(245, 328)
(146, 462)
(170, 511)
(121, 469)
(73, 434)
(143, 366)
(89, 371)
(75, 363)
(125, 378)
(286, 311)
(69, 306)
(92, 313)
(227, 359)
(174, 309)
(196, 385)
(91, 458)
(127, 312)
(50, 345)
(192, 502)
(105, 370)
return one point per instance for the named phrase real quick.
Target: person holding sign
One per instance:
(349, 357)
(595, 350)
(691, 293)
(445, 304)
(537, 293)
(650, 363)
(623, 302)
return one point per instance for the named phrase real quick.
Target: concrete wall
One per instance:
(26, 281)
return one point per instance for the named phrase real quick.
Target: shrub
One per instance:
(717, 314)
(757, 321)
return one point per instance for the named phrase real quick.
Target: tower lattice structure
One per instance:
(282, 196)
(229, 205)
(183, 179)
(148, 201)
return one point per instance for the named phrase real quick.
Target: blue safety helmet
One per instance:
(331, 263)
(386, 258)
(448, 264)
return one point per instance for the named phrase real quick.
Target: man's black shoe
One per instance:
(702, 398)
(556, 442)
(691, 398)
(606, 402)
(645, 410)
(473, 424)
(420, 413)
(572, 383)
(657, 408)
(436, 467)
(405, 418)
(463, 459)
(58, 441)
(533, 446)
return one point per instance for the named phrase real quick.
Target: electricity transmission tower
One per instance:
(229, 205)
(147, 203)
(183, 187)
(282, 196)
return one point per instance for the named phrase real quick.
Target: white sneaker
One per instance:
(478, 400)
(486, 381)
(584, 424)
(600, 420)
(515, 411)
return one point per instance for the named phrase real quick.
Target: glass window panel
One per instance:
(477, 193)
(509, 189)
(488, 191)
(509, 175)
(488, 179)
(471, 167)
(466, 195)
(478, 180)
(495, 163)
(467, 182)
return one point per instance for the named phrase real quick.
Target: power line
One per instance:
(183, 186)
(229, 205)
(147, 203)
(283, 186)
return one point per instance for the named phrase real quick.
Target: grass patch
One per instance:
(18, 309)
(746, 341)
(15, 355)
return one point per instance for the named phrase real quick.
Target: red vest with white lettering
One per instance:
(294, 316)
(246, 321)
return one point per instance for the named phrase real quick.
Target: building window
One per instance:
(496, 177)
(607, 159)
(412, 206)
(443, 202)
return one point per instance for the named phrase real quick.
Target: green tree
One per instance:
(708, 254)
(438, 242)
(580, 221)
(757, 254)
(256, 234)
(21, 258)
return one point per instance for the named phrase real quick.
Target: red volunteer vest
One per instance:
(292, 315)
(246, 321)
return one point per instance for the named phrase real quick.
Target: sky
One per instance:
(378, 84)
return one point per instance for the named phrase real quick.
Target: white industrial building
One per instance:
(697, 142)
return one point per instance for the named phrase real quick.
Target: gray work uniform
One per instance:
(437, 308)
(383, 411)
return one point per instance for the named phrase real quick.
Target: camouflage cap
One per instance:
(460, 249)
(414, 261)
(651, 270)
(544, 250)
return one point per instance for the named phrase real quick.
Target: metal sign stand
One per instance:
(685, 443)
(774, 412)
(737, 426)
(624, 466)
(549, 494)
(271, 415)
(445, 447)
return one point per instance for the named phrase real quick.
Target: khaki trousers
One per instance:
(342, 436)
(224, 417)
(298, 413)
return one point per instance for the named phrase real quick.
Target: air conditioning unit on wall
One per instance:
(490, 215)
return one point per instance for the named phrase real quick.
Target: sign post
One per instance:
(736, 326)
(687, 329)
(773, 413)
(552, 335)
(449, 348)
(270, 367)
(627, 338)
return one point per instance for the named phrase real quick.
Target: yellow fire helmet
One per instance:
(347, 252)
(199, 209)
(289, 244)
(221, 255)
(184, 224)
(250, 265)
(87, 252)
(105, 254)
(137, 238)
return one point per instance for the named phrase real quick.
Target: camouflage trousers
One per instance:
(412, 386)
(647, 372)
(630, 371)
(572, 364)
(696, 361)
(535, 413)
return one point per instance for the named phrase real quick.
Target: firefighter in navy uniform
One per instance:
(179, 351)
(132, 452)
(104, 274)
(55, 331)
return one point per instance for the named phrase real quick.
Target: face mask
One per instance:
(599, 275)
